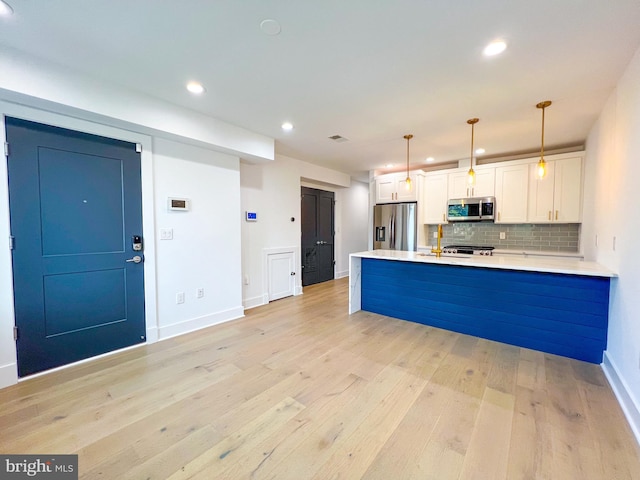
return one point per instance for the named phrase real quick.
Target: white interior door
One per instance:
(281, 275)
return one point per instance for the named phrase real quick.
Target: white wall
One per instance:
(353, 231)
(611, 186)
(273, 191)
(205, 250)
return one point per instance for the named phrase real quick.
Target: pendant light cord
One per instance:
(542, 139)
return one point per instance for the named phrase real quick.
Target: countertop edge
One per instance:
(541, 265)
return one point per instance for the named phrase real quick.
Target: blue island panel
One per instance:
(555, 313)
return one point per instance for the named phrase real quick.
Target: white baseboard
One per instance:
(192, 324)
(8, 375)
(344, 273)
(297, 290)
(254, 302)
(629, 405)
(152, 334)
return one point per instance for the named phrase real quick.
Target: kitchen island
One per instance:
(553, 305)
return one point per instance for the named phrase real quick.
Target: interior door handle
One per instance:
(136, 259)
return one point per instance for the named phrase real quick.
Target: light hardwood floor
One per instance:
(298, 390)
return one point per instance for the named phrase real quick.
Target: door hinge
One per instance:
(15, 333)
(6, 149)
(138, 148)
(12, 242)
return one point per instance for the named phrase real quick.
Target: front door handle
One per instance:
(136, 259)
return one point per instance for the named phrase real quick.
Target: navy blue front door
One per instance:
(75, 201)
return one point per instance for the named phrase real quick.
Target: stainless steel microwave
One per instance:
(477, 209)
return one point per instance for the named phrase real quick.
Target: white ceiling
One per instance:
(369, 70)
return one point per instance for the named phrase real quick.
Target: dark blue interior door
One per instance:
(76, 203)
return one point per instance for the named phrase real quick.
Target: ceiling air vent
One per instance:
(338, 138)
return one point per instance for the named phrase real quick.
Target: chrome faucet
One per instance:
(438, 250)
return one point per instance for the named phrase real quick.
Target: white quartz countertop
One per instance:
(529, 264)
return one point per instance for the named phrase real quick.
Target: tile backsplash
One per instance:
(543, 237)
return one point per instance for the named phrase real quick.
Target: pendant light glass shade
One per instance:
(407, 182)
(541, 167)
(471, 175)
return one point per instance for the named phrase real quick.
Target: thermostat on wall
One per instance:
(180, 204)
(251, 216)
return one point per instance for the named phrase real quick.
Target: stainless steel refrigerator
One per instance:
(395, 226)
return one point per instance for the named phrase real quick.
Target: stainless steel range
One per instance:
(467, 250)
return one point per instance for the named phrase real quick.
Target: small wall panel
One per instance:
(554, 313)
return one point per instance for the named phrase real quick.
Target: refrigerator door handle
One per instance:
(392, 231)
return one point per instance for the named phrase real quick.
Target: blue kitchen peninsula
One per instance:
(552, 305)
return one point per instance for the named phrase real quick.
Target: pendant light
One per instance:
(407, 182)
(541, 168)
(471, 175)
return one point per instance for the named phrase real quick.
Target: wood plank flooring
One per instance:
(298, 389)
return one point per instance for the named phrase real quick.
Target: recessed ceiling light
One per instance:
(494, 48)
(270, 27)
(287, 126)
(430, 159)
(5, 9)
(388, 165)
(195, 87)
(480, 151)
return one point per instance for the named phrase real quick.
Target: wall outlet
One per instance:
(180, 297)
(503, 235)
(166, 234)
(435, 234)
(246, 279)
(200, 293)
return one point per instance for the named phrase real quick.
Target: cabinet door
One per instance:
(484, 187)
(485, 183)
(511, 193)
(567, 195)
(385, 189)
(459, 185)
(434, 199)
(402, 194)
(541, 194)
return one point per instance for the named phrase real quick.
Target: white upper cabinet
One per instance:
(484, 187)
(511, 193)
(392, 188)
(385, 189)
(434, 198)
(557, 198)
